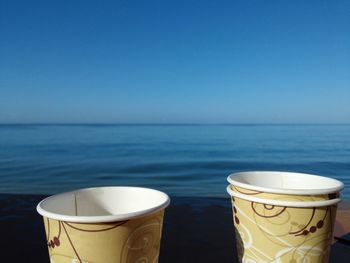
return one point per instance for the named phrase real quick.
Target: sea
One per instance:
(180, 159)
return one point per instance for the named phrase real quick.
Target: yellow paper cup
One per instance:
(104, 224)
(286, 226)
(275, 185)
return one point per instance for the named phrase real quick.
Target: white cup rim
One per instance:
(301, 204)
(164, 201)
(333, 185)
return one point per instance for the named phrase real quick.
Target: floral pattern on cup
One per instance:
(129, 241)
(268, 233)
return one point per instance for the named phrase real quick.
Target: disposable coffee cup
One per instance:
(277, 185)
(104, 224)
(278, 219)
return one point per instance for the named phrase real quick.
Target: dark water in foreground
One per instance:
(182, 160)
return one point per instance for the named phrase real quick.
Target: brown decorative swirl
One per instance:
(71, 243)
(247, 193)
(313, 228)
(270, 208)
(61, 224)
(308, 223)
(55, 241)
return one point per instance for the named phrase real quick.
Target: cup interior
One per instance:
(103, 204)
(286, 182)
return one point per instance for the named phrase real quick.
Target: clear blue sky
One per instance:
(175, 61)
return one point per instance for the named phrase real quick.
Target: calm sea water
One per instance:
(182, 160)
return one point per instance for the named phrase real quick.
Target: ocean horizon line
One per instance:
(166, 124)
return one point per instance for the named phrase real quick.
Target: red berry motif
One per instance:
(320, 224)
(313, 229)
(236, 220)
(56, 241)
(234, 209)
(52, 244)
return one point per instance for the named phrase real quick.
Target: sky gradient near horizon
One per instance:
(174, 61)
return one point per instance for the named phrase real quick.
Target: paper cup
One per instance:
(104, 224)
(277, 185)
(283, 218)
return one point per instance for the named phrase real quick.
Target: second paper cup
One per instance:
(280, 220)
